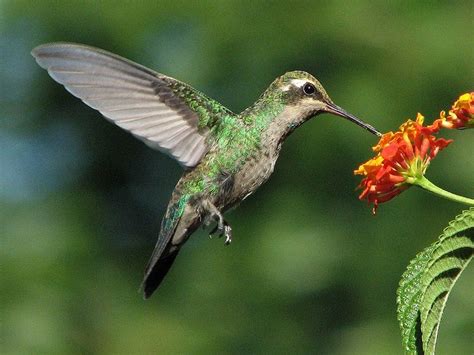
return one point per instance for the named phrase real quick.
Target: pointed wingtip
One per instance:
(36, 52)
(51, 47)
(45, 50)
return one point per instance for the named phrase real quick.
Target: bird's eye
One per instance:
(309, 89)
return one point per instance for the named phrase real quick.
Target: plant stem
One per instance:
(429, 186)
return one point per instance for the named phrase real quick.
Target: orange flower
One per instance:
(402, 158)
(461, 114)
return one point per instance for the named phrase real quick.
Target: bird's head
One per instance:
(304, 96)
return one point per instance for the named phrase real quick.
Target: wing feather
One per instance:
(151, 106)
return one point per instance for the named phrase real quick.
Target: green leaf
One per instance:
(427, 282)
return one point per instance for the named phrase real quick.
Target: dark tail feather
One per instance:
(158, 272)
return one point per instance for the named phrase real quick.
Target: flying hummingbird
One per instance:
(225, 156)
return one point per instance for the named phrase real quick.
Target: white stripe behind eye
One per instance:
(295, 82)
(299, 82)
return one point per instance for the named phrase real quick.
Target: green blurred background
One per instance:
(310, 269)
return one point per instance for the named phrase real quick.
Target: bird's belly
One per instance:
(248, 179)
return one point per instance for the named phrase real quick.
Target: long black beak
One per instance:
(336, 110)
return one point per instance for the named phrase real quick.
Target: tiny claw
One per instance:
(222, 229)
(228, 235)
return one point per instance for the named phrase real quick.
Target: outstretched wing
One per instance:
(165, 113)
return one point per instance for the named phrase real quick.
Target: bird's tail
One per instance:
(157, 271)
(179, 222)
(165, 252)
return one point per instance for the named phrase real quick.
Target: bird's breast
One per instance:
(253, 173)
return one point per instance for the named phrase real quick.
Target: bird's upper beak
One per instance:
(336, 110)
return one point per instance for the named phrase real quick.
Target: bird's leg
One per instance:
(222, 228)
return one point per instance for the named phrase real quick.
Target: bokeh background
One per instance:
(310, 269)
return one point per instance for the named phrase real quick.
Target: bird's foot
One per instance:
(224, 230)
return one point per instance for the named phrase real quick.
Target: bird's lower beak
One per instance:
(336, 110)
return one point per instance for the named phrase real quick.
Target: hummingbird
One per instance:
(225, 156)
